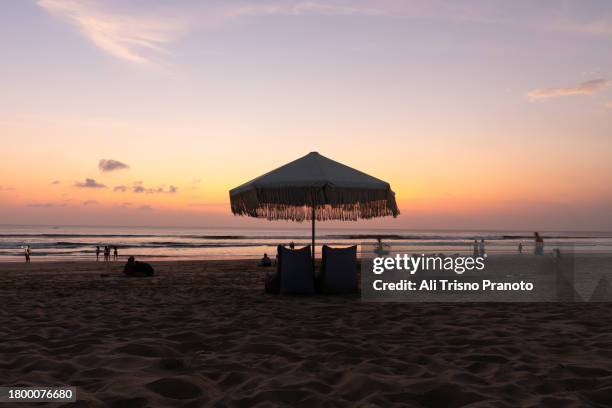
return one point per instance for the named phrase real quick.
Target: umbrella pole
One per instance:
(313, 237)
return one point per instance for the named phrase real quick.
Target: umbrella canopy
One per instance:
(314, 187)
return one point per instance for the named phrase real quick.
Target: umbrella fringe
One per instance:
(345, 204)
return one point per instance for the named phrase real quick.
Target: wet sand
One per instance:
(204, 333)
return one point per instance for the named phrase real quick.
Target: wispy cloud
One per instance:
(120, 34)
(143, 37)
(111, 165)
(89, 183)
(584, 88)
(41, 205)
(2, 188)
(55, 182)
(121, 189)
(138, 187)
(90, 202)
(302, 7)
(601, 26)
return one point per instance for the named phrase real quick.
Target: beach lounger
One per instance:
(338, 270)
(294, 273)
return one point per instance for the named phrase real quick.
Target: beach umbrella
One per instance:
(314, 188)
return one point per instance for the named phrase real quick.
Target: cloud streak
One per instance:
(584, 88)
(128, 37)
(89, 183)
(300, 8)
(140, 38)
(41, 205)
(111, 165)
(139, 188)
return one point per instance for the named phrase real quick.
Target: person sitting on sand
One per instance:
(265, 261)
(136, 268)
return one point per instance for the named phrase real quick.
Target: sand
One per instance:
(203, 333)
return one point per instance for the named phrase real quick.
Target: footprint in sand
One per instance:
(175, 388)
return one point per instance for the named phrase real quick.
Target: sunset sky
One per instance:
(481, 114)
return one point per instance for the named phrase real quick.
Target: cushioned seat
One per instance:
(294, 274)
(338, 270)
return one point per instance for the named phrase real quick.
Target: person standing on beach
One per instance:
(115, 253)
(476, 251)
(97, 253)
(539, 244)
(481, 248)
(520, 247)
(27, 252)
(106, 253)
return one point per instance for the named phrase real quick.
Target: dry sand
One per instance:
(203, 333)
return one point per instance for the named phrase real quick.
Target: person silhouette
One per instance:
(106, 253)
(115, 253)
(27, 252)
(481, 247)
(97, 253)
(265, 261)
(476, 251)
(520, 247)
(539, 244)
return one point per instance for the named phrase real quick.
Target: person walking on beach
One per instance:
(481, 248)
(520, 247)
(97, 253)
(115, 253)
(27, 252)
(106, 253)
(539, 244)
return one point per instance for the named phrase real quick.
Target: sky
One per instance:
(480, 114)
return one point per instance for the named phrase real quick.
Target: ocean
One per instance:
(56, 243)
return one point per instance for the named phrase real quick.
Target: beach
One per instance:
(202, 333)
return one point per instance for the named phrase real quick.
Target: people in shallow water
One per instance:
(265, 261)
(136, 268)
